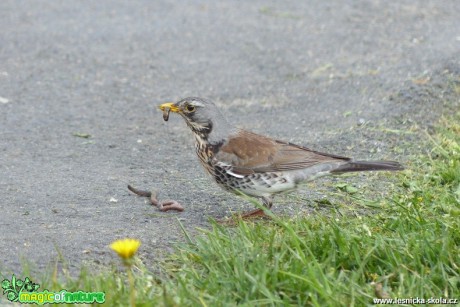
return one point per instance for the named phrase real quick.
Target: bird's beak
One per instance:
(169, 106)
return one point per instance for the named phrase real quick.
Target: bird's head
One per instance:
(202, 116)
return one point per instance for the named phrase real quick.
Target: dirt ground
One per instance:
(80, 82)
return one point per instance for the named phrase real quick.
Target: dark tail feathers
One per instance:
(361, 166)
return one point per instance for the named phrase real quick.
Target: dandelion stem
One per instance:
(131, 285)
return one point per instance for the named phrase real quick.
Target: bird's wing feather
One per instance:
(252, 153)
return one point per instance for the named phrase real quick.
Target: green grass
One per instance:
(404, 245)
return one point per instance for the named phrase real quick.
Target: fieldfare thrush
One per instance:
(256, 165)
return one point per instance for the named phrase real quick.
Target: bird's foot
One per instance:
(256, 213)
(246, 216)
(152, 195)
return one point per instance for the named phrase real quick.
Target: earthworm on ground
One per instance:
(162, 206)
(166, 114)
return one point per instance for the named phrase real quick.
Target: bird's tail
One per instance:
(361, 166)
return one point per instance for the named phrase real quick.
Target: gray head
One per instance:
(203, 118)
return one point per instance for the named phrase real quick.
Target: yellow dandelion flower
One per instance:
(125, 248)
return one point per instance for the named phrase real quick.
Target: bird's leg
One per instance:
(162, 206)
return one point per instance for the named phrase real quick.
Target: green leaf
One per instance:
(350, 189)
(82, 135)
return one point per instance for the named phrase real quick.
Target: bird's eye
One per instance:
(190, 108)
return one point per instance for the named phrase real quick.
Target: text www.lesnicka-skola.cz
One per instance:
(416, 300)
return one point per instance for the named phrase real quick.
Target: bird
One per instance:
(241, 161)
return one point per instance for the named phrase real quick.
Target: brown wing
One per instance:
(252, 153)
